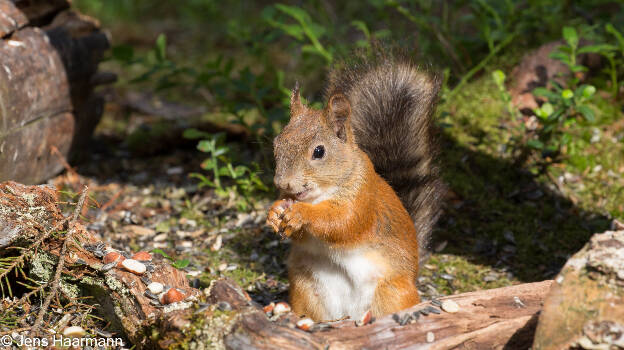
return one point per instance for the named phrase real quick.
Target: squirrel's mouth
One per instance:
(301, 195)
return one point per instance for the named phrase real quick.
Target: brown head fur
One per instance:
(302, 174)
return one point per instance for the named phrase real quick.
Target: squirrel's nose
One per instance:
(281, 183)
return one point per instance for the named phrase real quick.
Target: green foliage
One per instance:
(303, 30)
(177, 263)
(561, 110)
(499, 78)
(244, 181)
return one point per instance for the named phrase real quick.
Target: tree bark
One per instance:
(48, 72)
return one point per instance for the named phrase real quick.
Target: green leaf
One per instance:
(570, 36)
(161, 47)
(536, 144)
(578, 68)
(208, 164)
(499, 77)
(362, 27)
(161, 252)
(295, 12)
(193, 134)
(221, 151)
(560, 56)
(180, 264)
(543, 92)
(567, 94)
(205, 145)
(601, 49)
(587, 113)
(565, 139)
(547, 108)
(589, 91)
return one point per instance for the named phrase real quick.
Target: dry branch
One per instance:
(59, 268)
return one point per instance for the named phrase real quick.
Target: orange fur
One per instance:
(363, 215)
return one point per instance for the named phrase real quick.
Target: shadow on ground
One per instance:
(498, 215)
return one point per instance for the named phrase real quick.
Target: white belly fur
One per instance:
(345, 278)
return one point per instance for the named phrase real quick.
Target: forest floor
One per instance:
(503, 223)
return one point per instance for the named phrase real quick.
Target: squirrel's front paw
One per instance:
(292, 221)
(274, 217)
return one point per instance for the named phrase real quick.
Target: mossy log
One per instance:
(48, 74)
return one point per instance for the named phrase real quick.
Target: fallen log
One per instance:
(489, 319)
(225, 316)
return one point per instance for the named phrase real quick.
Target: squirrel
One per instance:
(359, 190)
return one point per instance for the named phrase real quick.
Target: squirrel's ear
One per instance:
(339, 116)
(295, 101)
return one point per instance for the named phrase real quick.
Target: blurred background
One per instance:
(530, 123)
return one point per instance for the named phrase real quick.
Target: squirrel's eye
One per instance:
(318, 153)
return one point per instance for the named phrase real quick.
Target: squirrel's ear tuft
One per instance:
(295, 101)
(339, 116)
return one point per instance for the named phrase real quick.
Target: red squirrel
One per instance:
(359, 190)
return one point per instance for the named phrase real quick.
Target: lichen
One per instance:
(42, 265)
(208, 332)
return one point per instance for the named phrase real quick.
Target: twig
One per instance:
(61, 263)
(63, 161)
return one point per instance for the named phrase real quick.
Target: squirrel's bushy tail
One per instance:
(392, 110)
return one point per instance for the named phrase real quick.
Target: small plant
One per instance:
(614, 55)
(178, 264)
(561, 110)
(568, 54)
(244, 181)
(303, 30)
(499, 78)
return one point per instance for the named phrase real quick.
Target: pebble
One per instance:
(171, 296)
(281, 308)
(74, 331)
(305, 324)
(155, 287)
(217, 244)
(430, 337)
(134, 266)
(365, 319)
(434, 310)
(396, 318)
(450, 306)
(224, 306)
(142, 256)
(114, 256)
(425, 312)
(160, 237)
(405, 319)
(436, 302)
(268, 308)
(150, 295)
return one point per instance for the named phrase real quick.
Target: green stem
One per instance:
(481, 64)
